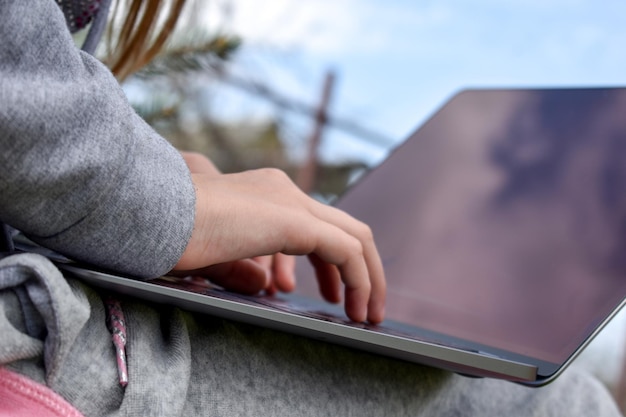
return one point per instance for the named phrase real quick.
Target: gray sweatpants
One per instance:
(53, 330)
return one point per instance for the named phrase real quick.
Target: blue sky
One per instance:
(398, 60)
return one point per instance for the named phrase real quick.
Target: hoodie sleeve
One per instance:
(80, 171)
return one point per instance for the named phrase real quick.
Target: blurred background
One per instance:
(324, 89)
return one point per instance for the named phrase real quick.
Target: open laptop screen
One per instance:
(502, 220)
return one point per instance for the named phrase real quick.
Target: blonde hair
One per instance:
(138, 31)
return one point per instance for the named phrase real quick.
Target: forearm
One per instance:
(80, 171)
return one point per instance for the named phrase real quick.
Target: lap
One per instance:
(181, 363)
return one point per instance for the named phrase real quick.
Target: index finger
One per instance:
(332, 245)
(376, 304)
(374, 272)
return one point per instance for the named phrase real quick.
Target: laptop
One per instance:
(501, 223)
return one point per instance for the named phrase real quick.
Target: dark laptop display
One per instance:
(502, 221)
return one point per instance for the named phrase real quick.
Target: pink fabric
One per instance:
(20, 396)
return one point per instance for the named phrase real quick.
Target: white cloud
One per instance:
(324, 27)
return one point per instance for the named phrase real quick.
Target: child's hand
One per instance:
(277, 270)
(257, 213)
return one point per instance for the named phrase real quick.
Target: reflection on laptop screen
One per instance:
(503, 219)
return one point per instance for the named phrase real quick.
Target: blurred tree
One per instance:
(174, 93)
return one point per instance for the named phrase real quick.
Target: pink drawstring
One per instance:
(117, 326)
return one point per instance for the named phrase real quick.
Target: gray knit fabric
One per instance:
(81, 173)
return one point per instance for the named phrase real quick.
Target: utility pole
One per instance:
(307, 173)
